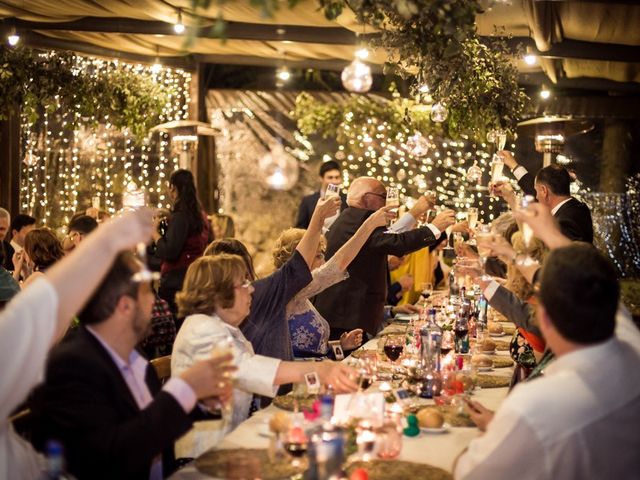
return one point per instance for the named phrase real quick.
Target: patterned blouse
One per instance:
(309, 330)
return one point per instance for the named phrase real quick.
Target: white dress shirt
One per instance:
(555, 209)
(27, 326)
(16, 247)
(196, 340)
(407, 222)
(578, 421)
(519, 172)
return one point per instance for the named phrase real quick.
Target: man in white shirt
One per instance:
(103, 400)
(581, 419)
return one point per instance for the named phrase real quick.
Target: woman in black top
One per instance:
(186, 237)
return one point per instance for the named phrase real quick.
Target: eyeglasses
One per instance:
(381, 195)
(246, 284)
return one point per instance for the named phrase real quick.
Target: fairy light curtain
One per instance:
(63, 169)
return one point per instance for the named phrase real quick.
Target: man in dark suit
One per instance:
(103, 400)
(358, 301)
(20, 226)
(330, 173)
(551, 188)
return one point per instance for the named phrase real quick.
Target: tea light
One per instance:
(384, 387)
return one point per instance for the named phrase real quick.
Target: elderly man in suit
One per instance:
(103, 400)
(330, 174)
(551, 188)
(358, 301)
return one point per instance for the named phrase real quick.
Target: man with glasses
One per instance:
(358, 302)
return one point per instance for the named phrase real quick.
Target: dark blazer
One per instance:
(519, 312)
(574, 216)
(308, 205)
(575, 221)
(8, 255)
(86, 404)
(358, 301)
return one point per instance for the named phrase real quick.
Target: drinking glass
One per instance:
(501, 139)
(332, 191)
(472, 217)
(426, 290)
(527, 232)
(133, 200)
(393, 200)
(483, 237)
(393, 347)
(447, 343)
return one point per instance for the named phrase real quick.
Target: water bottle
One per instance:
(54, 469)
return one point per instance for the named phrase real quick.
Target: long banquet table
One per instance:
(439, 450)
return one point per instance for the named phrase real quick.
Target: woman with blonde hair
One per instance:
(309, 330)
(222, 225)
(215, 300)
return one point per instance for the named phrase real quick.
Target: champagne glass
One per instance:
(133, 199)
(527, 232)
(332, 191)
(483, 236)
(393, 200)
(472, 217)
(501, 139)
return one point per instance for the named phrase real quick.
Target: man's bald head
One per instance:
(366, 192)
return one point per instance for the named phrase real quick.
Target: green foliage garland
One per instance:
(33, 83)
(435, 41)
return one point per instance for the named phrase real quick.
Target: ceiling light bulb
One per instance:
(545, 93)
(178, 27)
(13, 39)
(362, 53)
(283, 74)
(156, 67)
(531, 59)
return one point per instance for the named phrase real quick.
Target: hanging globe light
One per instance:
(356, 77)
(279, 167)
(417, 145)
(439, 112)
(474, 173)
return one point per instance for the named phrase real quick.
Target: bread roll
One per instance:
(482, 361)
(488, 345)
(430, 418)
(495, 328)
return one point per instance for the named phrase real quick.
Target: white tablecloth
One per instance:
(439, 450)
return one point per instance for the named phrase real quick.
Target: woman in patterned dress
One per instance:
(309, 330)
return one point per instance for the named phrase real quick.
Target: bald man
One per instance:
(358, 301)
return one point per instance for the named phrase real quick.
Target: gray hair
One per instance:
(4, 213)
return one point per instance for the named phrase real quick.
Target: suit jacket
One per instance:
(8, 255)
(516, 311)
(86, 404)
(308, 205)
(574, 216)
(358, 301)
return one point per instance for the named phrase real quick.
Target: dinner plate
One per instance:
(485, 369)
(497, 335)
(435, 431)
(405, 317)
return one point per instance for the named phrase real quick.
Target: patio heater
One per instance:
(551, 132)
(184, 138)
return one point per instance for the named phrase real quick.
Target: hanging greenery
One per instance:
(435, 42)
(394, 140)
(34, 83)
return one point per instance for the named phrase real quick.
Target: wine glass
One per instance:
(447, 343)
(501, 139)
(426, 290)
(527, 232)
(367, 369)
(295, 444)
(332, 191)
(393, 200)
(393, 347)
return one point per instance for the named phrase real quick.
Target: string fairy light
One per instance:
(63, 169)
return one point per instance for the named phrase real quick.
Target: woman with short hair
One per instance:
(215, 300)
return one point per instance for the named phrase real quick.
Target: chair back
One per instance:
(162, 366)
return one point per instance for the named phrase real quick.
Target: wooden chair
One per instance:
(162, 366)
(22, 422)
